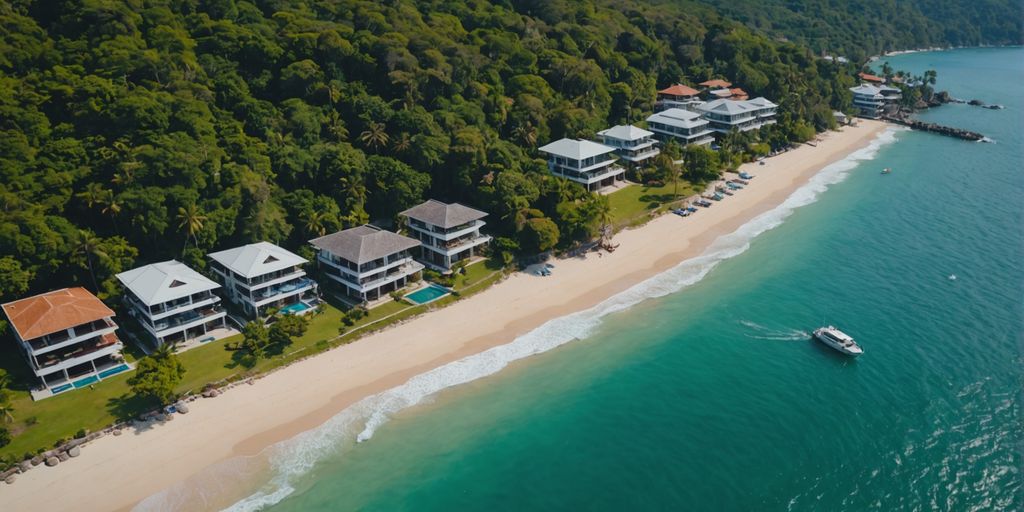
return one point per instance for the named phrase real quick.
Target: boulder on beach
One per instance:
(25, 466)
(52, 461)
(63, 456)
(182, 408)
(74, 451)
(117, 432)
(10, 479)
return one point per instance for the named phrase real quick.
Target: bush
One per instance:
(396, 295)
(81, 433)
(5, 437)
(31, 420)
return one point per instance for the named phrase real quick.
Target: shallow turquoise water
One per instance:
(715, 397)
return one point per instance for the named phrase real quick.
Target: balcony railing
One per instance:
(62, 336)
(105, 341)
(185, 318)
(287, 287)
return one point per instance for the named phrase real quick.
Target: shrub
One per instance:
(81, 433)
(5, 437)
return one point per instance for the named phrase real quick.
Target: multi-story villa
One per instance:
(727, 115)
(872, 101)
(715, 83)
(632, 144)
(172, 302)
(683, 125)
(67, 337)
(367, 262)
(448, 232)
(588, 163)
(677, 96)
(262, 276)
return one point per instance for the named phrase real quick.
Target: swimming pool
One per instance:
(113, 371)
(428, 293)
(296, 308)
(92, 379)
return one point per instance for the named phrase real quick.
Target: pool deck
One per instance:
(78, 383)
(424, 288)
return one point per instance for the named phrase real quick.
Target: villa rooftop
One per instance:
(364, 244)
(871, 78)
(625, 132)
(677, 117)
(54, 311)
(576, 149)
(257, 259)
(716, 83)
(157, 283)
(679, 90)
(445, 215)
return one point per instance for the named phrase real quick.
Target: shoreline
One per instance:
(115, 473)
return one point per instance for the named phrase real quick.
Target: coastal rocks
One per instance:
(182, 408)
(943, 97)
(74, 451)
(37, 460)
(210, 393)
(63, 456)
(25, 466)
(117, 432)
(10, 479)
(52, 461)
(976, 103)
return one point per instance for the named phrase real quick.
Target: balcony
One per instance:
(434, 232)
(275, 277)
(367, 269)
(61, 339)
(186, 320)
(273, 293)
(53, 362)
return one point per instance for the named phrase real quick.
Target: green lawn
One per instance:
(632, 204)
(41, 424)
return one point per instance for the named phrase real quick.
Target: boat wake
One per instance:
(760, 332)
(293, 458)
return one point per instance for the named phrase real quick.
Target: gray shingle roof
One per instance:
(364, 244)
(444, 215)
(257, 259)
(157, 283)
(576, 149)
(625, 132)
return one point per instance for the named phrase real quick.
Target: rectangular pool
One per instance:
(113, 371)
(92, 379)
(427, 294)
(296, 308)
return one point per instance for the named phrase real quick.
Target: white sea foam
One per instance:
(291, 459)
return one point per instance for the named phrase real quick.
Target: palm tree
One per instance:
(402, 143)
(375, 136)
(92, 195)
(85, 246)
(191, 220)
(109, 205)
(526, 133)
(336, 127)
(314, 222)
(163, 351)
(563, 188)
(603, 209)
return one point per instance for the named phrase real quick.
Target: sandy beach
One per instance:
(115, 473)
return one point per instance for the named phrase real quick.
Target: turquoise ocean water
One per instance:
(701, 389)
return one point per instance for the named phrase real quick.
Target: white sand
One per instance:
(117, 472)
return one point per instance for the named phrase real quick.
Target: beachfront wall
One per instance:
(367, 263)
(262, 276)
(172, 302)
(449, 233)
(67, 337)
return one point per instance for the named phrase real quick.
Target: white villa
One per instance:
(588, 163)
(448, 232)
(872, 101)
(726, 115)
(683, 125)
(632, 144)
(262, 276)
(172, 302)
(67, 338)
(366, 261)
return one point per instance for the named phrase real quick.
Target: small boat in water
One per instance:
(838, 340)
(887, 170)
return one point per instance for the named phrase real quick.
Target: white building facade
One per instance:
(685, 126)
(172, 302)
(725, 115)
(633, 145)
(588, 163)
(261, 277)
(367, 262)
(448, 233)
(871, 101)
(67, 338)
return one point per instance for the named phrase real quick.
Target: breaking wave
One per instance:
(281, 465)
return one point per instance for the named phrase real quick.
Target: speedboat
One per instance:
(886, 170)
(838, 340)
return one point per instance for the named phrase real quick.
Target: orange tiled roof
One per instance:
(736, 91)
(870, 78)
(679, 90)
(716, 83)
(54, 311)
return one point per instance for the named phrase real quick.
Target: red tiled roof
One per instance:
(870, 78)
(716, 83)
(679, 90)
(54, 311)
(739, 93)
